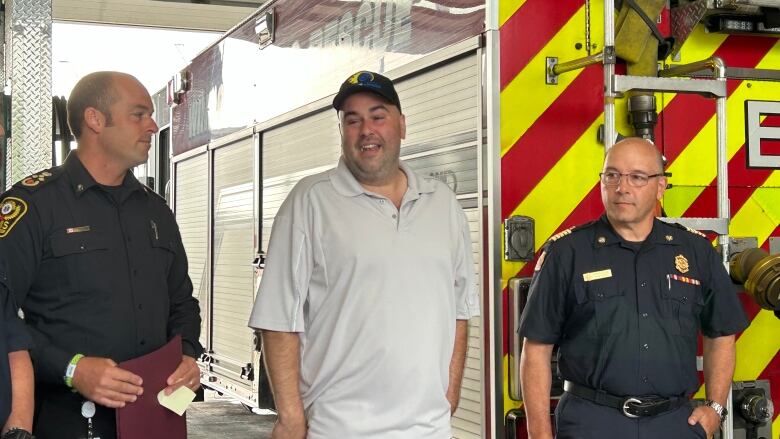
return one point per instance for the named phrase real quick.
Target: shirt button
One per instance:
(143, 342)
(646, 346)
(600, 295)
(644, 315)
(129, 239)
(135, 272)
(140, 306)
(395, 216)
(643, 284)
(83, 247)
(381, 201)
(644, 379)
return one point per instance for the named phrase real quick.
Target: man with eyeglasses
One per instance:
(624, 297)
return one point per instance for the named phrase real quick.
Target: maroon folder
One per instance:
(146, 418)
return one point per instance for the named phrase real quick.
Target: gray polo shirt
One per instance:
(374, 292)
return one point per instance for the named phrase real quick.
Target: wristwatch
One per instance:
(17, 433)
(719, 409)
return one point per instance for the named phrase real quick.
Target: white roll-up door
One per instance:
(443, 126)
(191, 207)
(232, 252)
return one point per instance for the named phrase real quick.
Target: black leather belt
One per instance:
(630, 406)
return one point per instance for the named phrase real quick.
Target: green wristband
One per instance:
(71, 370)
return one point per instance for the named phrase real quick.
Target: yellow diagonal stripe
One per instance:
(758, 343)
(567, 183)
(507, 8)
(527, 96)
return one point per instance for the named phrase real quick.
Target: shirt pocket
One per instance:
(78, 258)
(161, 239)
(604, 301)
(682, 304)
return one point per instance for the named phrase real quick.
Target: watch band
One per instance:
(17, 433)
(719, 409)
(71, 370)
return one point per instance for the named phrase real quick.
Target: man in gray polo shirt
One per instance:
(368, 286)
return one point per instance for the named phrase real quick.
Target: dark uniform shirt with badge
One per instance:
(13, 338)
(625, 315)
(99, 271)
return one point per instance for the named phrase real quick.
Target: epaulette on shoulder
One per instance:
(569, 231)
(694, 231)
(561, 234)
(35, 181)
(151, 191)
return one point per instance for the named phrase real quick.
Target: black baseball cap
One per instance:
(367, 81)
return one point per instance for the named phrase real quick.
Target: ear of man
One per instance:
(94, 120)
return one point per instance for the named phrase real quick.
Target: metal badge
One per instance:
(681, 264)
(669, 238)
(88, 409)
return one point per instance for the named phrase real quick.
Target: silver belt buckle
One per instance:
(625, 407)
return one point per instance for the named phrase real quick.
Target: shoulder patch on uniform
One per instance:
(12, 209)
(694, 231)
(35, 181)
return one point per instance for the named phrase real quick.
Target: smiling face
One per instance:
(127, 133)
(630, 207)
(371, 133)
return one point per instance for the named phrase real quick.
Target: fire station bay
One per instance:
(508, 109)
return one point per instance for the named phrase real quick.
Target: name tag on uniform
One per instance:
(596, 275)
(80, 229)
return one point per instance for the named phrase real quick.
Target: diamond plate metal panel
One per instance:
(684, 19)
(30, 78)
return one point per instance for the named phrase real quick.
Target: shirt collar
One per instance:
(346, 183)
(660, 234)
(81, 180)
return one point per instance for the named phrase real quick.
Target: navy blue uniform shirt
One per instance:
(13, 337)
(627, 315)
(98, 271)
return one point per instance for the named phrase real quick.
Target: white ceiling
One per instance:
(218, 16)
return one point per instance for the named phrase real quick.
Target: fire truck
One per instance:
(512, 103)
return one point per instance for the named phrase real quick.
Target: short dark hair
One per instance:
(95, 90)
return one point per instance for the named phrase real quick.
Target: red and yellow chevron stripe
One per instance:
(550, 156)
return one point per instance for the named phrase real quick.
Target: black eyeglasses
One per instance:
(635, 179)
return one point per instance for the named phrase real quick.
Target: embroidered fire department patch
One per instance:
(12, 209)
(681, 264)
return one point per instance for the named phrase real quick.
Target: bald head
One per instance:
(95, 90)
(643, 149)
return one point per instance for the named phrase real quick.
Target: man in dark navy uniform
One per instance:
(97, 265)
(624, 297)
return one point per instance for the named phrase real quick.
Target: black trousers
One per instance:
(579, 418)
(58, 416)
